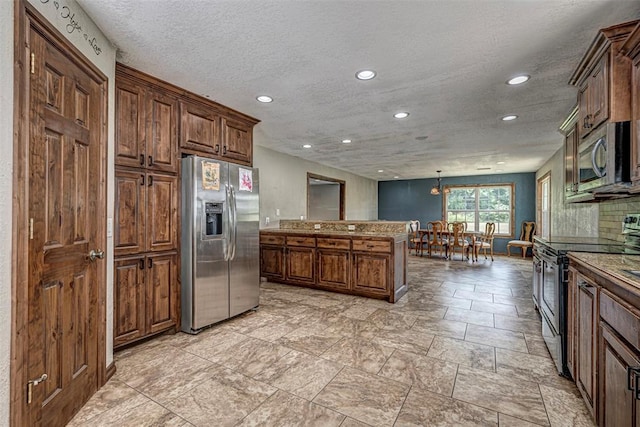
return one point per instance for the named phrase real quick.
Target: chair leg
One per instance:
(524, 252)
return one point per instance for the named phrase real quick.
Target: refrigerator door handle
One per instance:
(227, 234)
(235, 223)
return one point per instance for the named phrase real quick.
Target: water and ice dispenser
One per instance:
(213, 219)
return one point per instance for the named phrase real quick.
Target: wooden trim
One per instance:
(538, 230)
(26, 16)
(110, 371)
(326, 178)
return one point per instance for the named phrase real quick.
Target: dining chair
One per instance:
(435, 237)
(415, 241)
(485, 241)
(526, 238)
(457, 240)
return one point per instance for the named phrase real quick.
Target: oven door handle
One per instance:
(600, 172)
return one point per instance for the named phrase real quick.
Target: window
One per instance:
(543, 213)
(479, 204)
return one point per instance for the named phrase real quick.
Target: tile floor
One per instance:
(462, 348)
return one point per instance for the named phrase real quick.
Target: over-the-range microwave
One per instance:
(604, 158)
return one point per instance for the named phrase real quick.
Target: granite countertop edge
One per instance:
(614, 265)
(333, 233)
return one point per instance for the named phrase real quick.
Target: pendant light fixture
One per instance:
(437, 189)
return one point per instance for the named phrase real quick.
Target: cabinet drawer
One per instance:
(301, 241)
(621, 318)
(334, 243)
(270, 239)
(372, 245)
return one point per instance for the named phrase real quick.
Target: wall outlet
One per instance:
(277, 212)
(266, 220)
(351, 227)
(316, 226)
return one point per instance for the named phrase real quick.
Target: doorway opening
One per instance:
(325, 198)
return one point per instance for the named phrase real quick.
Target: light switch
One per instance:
(277, 212)
(351, 227)
(266, 220)
(316, 226)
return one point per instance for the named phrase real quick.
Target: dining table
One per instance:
(422, 232)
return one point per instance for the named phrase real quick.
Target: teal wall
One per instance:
(404, 200)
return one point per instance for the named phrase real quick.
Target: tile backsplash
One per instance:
(611, 215)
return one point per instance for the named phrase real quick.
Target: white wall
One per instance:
(324, 202)
(283, 185)
(568, 219)
(6, 186)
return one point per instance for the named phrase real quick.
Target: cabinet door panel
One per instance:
(635, 126)
(130, 130)
(128, 300)
(333, 268)
(599, 93)
(237, 141)
(200, 129)
(370, 273)
(586, 342)
(129, 216)
(300, 265)
(162, 212)
(162, 138)
(272, 262)
(583, 111)
(162, 282)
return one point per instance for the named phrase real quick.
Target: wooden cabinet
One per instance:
(334, 263)
(146, 134)
(586, 340)
(237, 141)
(145, 296)
(272, 250)
(369, 266)
(200, 128)
(603, 79)
(146, 214)
(631, 49)
(572, 309)
(569, 129)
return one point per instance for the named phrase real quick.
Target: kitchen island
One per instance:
(363, 262)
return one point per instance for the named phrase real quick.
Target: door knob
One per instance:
(94, 254)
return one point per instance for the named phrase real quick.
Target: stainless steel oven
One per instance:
(603, 158)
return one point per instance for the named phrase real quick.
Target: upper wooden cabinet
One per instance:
(603, 78)
(569, 129)
(146, 131)
(631, 49)
(237, 141)
(200, 128)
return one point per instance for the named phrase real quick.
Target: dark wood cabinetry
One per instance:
(570, 130)
(145, 296)
(631, 49)
(586, 339)
(237, 141)
(200, 128)
(372, 266)
(593, 98)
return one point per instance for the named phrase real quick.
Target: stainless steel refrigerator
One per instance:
(220, 242)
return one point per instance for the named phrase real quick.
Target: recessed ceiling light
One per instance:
(500, 163)
(401, 115)
(346, 141)
(509, 117)
(518, 79)
(380, 170)
(365, 74)
(396, 177)
(264, 98)
(306, 146)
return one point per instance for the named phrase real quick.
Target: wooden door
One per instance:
(161, 212)
(161, 292)
(583, 110)
(599, 93)
(370, 273)
(586, 341)
(66, 211)
(333, 268)
(300, 265)
(162, 138)
(130, 131)
(199, 129)
(129, 299)
(237, 141)
(272, 261)
(571, 320)
(635, 122)
(129, 230)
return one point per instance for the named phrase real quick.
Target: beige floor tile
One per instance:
(358, 395)
(299, 373)
(525, 325)
(413, 341)
(214, 346)
(489, 307)
(509, 421)
(425, 372)
(223, 400)
(448, 328)
(252, 356)
(529, 367)
(284, 409)
(146, 414)
(500, 393)
(423, 408)
(311, 339)
(114, 393)
(359, 311)
(463, 352)
(496, 337)
(496, 290)
(536, 345)
(470, 316)
(358, 353)
(350, 422)
(474, 296)
(392, 320)
(425, 311)
(565, 409)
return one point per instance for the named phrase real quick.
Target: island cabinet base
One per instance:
(355, 264)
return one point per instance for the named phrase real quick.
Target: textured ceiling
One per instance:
(443, 61)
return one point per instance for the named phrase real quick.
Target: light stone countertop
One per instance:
(333, 233)
(614, 265)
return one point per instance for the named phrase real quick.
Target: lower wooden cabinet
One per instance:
(586, 340)
(145, 296)
(334, 269)
(371, 273)
(301, 265)
(272, 262)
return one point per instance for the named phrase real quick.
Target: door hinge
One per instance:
(33, 63)
(32, 383)
(30, 228)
